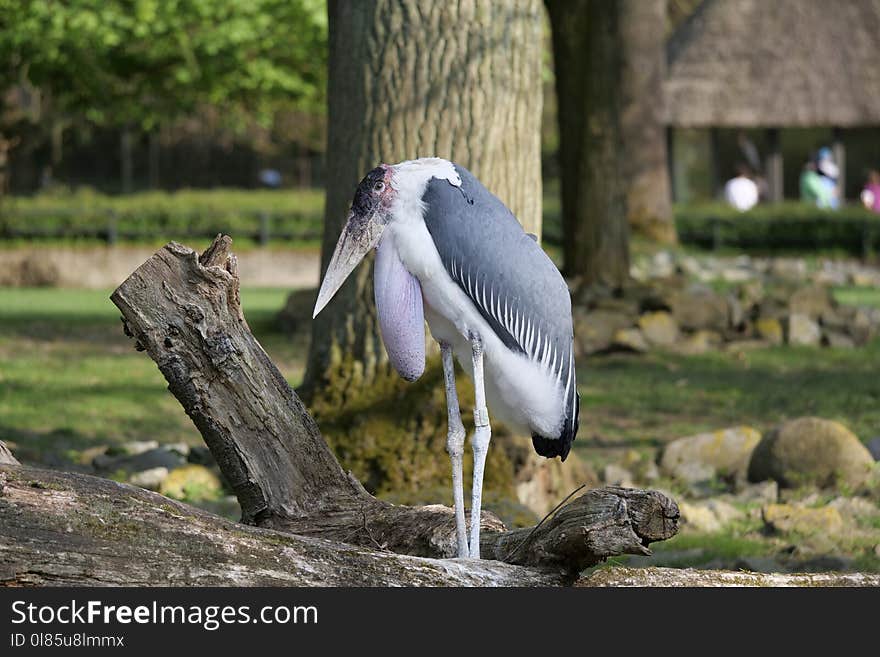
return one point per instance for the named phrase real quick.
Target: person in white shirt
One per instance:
(741, 192)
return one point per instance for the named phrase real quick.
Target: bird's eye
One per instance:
(379, 186)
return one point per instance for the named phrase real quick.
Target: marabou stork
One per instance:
(451, 253)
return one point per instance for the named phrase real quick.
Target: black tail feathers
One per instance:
(553, 447)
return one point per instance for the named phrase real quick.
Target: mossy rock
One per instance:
(392, 434)
(192, 483)
(802, 520)
(769, 329)
(811, 450)
(722, 453)
(659, 328)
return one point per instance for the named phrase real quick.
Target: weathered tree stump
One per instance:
(185, 312)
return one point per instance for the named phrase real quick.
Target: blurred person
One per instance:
(871, 192)
(271, 178)
(813, 189)
(829, 173)
(741, 191)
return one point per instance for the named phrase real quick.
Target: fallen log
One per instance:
(619, 576)
(64, 529)
(184, 310)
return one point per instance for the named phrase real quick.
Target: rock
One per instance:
(649, 471)
(837, 340)
(630, 339)
(763, 491)
(724, 511)
(200, 455)
(736, 274)
(862, 328)
(180, 448)
(659, 328)
(191, 482)
(698, 307)
(771, 308)
(873, 446)
(614, 475)
(540, 483)
(803, 331)
(723, 453)
(699, 342)
(662, 265)
(811, 301)
(160, 457)
(855, 508)
(790, 268)
(769, 329)
(623, 305)
(595, 330)
(839, 319)
(708, 516)
(88, 455)
(811, 450)
(150, 479)
(736, 315)
(803, 520)
(698, 518)
(750, 293)
(132, 448)
(865, 278)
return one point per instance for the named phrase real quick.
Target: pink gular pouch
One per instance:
(401, 313)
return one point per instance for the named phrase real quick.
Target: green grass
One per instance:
(70, 379)
(858, 296)
(656, 397)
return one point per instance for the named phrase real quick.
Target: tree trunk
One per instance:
(588, 64)
(417, 78)
(648, 195)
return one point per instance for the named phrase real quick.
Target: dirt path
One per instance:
(106, 267)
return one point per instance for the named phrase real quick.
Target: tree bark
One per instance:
(668, 577)
(588, 64)
(184, 311)
(417, 78)
(61, 529)
(646, 175)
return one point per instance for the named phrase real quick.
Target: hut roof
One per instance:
(776, 63)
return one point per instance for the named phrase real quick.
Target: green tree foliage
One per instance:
(151, 61)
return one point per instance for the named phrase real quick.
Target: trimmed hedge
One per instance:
(298, 215)
(779, 227)
(260, 214)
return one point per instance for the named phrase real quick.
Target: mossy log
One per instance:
(705, 578)
(63, 529)
(184, 311)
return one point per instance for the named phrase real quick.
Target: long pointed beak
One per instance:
(358, 236)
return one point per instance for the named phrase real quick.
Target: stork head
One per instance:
(369, 214)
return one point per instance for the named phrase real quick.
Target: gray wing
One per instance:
(512, 282)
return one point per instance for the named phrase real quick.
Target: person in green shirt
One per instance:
(813, 189)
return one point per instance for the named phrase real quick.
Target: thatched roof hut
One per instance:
(776, 63)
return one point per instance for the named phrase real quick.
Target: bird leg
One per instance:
(455, 446)
(480, 443)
